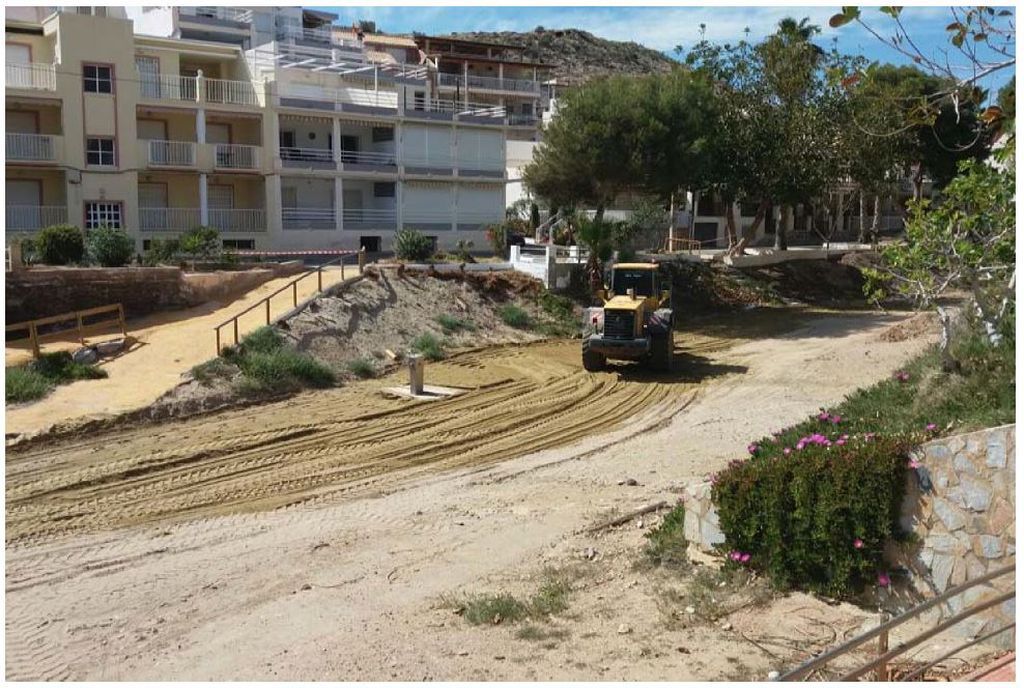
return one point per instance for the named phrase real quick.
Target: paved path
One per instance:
(170, 343)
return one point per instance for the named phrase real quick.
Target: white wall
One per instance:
(152, 21)
(427, 146)
(311, 193)
(480, 148)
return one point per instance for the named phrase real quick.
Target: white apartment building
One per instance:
(268, 123)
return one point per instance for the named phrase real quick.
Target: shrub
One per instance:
(262, 340)
(209, 372)
(666, 544)
(60, 245)
(462, 248)
(452, 323)
(514, 316)
(362, 367)
(29, 250)
(412, 245)
(283, 370)
(36, 379)
(23, 383)
(201, 242)
(496, 236)
(429, 346)
(111, 248)
(162, 251)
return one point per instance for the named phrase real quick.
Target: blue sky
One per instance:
(662, 28)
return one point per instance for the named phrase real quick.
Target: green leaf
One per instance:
(957, 40)
(891, 11)
(838, 20)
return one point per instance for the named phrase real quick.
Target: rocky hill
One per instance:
(579, 53)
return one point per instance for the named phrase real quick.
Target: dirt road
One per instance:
(392, 506)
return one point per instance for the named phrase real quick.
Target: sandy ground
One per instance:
(383, 511)
(169, 344)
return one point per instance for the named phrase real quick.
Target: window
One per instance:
(97, 79)
(103, 213)
(383, 134)
(99, 151)
(419, 100)
(384, 189)
(239, 244)
(370, 243)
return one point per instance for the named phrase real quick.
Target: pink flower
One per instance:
(884, 580)
(868, 436)
(823, 415)
(734, 555)
(752, 448)
(787, 451)
(858, 543)
(930, 427)
(835, 419)
(840, 441)
(901, 376)
(744, 558)
(913, 463)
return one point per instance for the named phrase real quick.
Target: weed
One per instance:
(514, 316)
(538, 633)
(666, 544)
(551, 598)
(284, 370)
(213, 370)
(451, 324)
(37, 379)
(429, 346)
(362, 367)
(263, 340)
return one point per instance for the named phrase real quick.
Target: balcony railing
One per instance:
(368, 158)
(168, 87)
(233, 156)
(235, 14)
(423, 216)
(238, 219)
(523, 120)
(489, 83)
(300, 156)
(368, 218)
(168, 219)
(171, 153)
(35, 76)
(307, 218)
(231, 92)
(31, 147)
(337, 99)
(29, 218)
(457, 109)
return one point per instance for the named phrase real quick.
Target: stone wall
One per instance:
(960, 505)
(37, 292)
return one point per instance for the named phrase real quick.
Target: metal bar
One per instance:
(926, 667)
(807, 667)
(921, 637)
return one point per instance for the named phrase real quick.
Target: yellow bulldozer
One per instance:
(635, 323)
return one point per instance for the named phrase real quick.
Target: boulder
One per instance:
(86, 355)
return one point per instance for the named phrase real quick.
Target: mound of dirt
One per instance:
(816, 282)
(920, 324)
(702, 288)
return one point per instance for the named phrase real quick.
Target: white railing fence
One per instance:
(238, 219)
(321, 155)
(34, 75)
(307, 218)
(30, 147)
(369, 218)
(176, 153)
(368, 157)
(33, 217)
(168, 87)
(167, 219)
(231, 92)
(236, 156)
(235, 14)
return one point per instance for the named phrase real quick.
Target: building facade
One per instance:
(271, 124)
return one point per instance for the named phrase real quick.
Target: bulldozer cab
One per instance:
(639, 280)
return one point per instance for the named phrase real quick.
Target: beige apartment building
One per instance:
(275, 126)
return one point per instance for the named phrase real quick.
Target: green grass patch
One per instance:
(552, 597)
(514, 316)
(666, 544)
(270, 366)
(362, 367)
(210, 372)
(37, 379)
(452, 324)
(428, 345)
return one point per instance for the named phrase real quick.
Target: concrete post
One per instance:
(416, 366)
(200, 86)
(273, 204)
(339, 204)
(204, 210)
(361, 256)
(550, 263)
(336, 142)
(399, 204)
(16, 258)
(465, 84)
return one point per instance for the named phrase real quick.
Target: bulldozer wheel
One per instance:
(662, 346)
(592, 361)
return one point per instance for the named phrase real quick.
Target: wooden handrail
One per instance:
(294, 286)
(802, 671)
(78, 316)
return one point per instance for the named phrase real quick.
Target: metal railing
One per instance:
(168, 87)
(32, 217)
(235, 14)
(522, 120)
(230, 92)
(168, 219)
(879, 665)
(308, 218)
(481, 164)
(171, 153)
(320, 155)
(31, 147)
(33, 75)
(234, 156)
(368, 218)
(238, 219)
(292, 286)
(369, 158)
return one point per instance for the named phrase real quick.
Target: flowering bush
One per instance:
(814, 505)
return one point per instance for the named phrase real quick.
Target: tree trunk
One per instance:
(730, 222)
(918, 182)
(671, 222)
(599, 214)
(780, 232)
(861, 235)
(876, 220)
(949, 363)
(751, 231)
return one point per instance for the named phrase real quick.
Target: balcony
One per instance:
(33, 147)
(488, 83)
(470, 221)
(246, 220)
(307, 218)
(186, 88)
(481, 113)
(228, 92)
(231, 156)
(169, 153)
(368, 160)
(34, 76)
(481, 167)
(30, 218)
(425, 220)
(168, 219)
(364, 101)
(215, 15)
(523, 120)
(314, 158)
(369, 218)
(169, 87)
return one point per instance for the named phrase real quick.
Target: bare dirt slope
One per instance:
(480, 497)
(169, 344)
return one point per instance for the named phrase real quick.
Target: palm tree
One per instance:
(597, 236)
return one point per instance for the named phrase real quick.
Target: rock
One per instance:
(995, 456)
(640, 523)
(682, 650)
(727, 626)
(630, 482)
(948, 514)
(110, 348)
(589, 553)
(988, 546)
(306, 586)
(773, 676)
(464, 653)
(86, 356)
(624, 629)
(690, 610)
